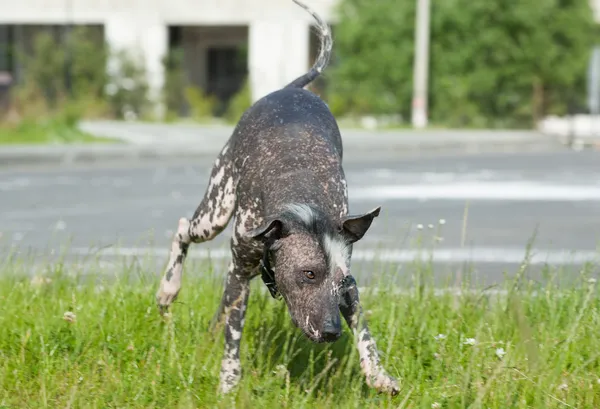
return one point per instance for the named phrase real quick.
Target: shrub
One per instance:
(174, 93)
(240, 102)
(127, 90)
(201, 105)
(500, 63)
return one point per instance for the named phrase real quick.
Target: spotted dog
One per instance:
(280, 177)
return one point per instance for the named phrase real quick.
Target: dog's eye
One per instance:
(310, 275)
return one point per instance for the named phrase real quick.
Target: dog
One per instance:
(280, 177)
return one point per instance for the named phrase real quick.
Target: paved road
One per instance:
(136, 208)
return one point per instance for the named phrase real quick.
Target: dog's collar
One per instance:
(268, 275)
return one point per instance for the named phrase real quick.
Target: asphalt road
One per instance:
(477, 209)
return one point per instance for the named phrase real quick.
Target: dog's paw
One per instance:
(384, 383)
(167, 293)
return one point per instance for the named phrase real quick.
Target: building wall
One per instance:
(174, 12)
(277, 30)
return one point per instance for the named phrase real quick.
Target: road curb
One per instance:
(65, 155)
(208, 145)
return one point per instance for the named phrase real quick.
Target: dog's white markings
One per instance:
(338, 254)
(304, 212)
(243, 218)
(235, 335)
(231, 372)
(170, 284)
(364, 346)
(375, 374)
(313, 332)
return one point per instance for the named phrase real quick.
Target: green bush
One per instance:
(499, 63)
(174, 94)
(240, 102)
(201, 105)
(44, 88)
(92, 92)
(127, 90)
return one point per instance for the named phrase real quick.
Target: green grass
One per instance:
(45, 132)
(120, 353)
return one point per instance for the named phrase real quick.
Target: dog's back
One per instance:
(288, 122)
(297, 150)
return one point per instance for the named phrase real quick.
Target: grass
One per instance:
(531, 345)
(45, 132)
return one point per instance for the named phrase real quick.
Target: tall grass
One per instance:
(96, 340)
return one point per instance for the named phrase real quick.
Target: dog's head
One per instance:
(311, 259)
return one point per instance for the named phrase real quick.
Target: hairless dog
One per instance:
(280, 177)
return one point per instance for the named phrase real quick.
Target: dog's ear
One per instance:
(355, 227)
(269, 231)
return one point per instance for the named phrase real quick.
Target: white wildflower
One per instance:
(592, 281)
(40, 280)
(436, 405)
(442, 221)
(430, 226)
(419, 227)
(69, 316)
(500, 352)
(280, 370)
(440, 337)
(470, 341)
(563, 387)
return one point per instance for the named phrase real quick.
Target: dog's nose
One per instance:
(332, 330)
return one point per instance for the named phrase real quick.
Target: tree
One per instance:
(373, 52)
(493, 63)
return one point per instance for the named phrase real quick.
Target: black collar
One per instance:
(268, 275)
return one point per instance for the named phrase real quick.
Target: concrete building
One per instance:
(274, 34)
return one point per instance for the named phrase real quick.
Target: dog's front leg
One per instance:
(233, 306)
(375, 374)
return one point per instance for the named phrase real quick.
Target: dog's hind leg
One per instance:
(210, 218)
(375, 374)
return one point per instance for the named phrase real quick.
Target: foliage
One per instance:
(127, 89)
(45, 87)
(174, 94)
(200, 104)
(57, 129)
(239, 103)
(73, 77)
(500, 63)
(373, 48)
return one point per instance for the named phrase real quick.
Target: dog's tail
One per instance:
(324, 53)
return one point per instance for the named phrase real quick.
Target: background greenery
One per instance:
(501, 63)
(498, 64)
